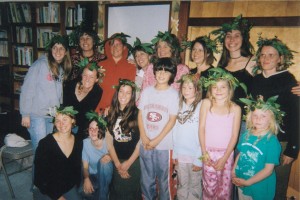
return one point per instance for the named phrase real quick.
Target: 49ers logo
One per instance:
(154, 117)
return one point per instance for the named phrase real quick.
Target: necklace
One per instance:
(236, 57)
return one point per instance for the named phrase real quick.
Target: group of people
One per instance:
(105, 127)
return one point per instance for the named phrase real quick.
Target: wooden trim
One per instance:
(257, 21)
(183, 16)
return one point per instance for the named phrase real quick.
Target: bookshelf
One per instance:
(24, 35)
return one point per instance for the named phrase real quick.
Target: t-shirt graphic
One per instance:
(119, 135)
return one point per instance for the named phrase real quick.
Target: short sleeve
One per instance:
(85, 156)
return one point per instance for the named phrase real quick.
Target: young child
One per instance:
(96, 163)
(220, 120)
(259, 149)
(187, 149)
(158, 108)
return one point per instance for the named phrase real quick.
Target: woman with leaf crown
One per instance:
(84, 94)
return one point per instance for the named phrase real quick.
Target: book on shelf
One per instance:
(3, 34)
(24, 34)
(48, 14)
(44, 35)
(3, 49)
(75, 15)
(23, 55)
(19, 12)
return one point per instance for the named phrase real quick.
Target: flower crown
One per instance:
(239, 23)
(93, 116)
(282, 49)
(167, 36)
(121, 36)
(92, 66)
(190, 78)
(216, 74)
(210, 44)
(147, 47)
(68, 110)
(58, 39)
(126, 82)
(270, 104)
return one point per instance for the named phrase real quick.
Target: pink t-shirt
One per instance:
(218, 130)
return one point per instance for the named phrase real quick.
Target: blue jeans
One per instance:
(39, 128)
(100, 181)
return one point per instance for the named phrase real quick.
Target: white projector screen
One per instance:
(142, 21)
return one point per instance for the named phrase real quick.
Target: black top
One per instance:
(281, 84)
(125, 144)
(88, 103)
(204, 74)
(54, 173)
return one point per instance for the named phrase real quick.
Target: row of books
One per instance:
(44, 35)
(23, 34)
(75, 15)
(23, 55)
(48, 14)
(3, 49)
(19, 12)
(3, 34)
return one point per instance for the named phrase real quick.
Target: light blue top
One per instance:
(92, 155)
(185, 135)
(254, 154)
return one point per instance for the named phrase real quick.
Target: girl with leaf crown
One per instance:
(259, 150)
(274, 58)
(123, 142)
(96, 162)
(220, 120)
(84, 94)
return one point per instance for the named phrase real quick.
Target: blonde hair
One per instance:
(198, 93)
(229, 97)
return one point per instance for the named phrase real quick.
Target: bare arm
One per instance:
(296, 89)
(87, 184)
(127, 164)
(143, 136)
(111, 149)
(203, 113)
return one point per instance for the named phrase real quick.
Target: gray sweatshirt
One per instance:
(40, 91)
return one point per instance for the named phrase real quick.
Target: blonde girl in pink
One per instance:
(220, 120)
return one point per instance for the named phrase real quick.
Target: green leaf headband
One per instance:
(215, 74)
(126, 82)
(282, 49)
(147, 47)
(166, 36)
(239, 23)
(209, 43)
(190, 78)
(68, 110)
(270, 104)
(58, 39)
(121, 36)
(92, 66)
(93, 116)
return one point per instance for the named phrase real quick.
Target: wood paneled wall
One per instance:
(288, 34)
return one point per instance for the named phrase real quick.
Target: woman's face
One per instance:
(93, 131)
(117, 49)
(142, 59)
(58, 52)
(63, 123)
(198, 54)
(86, 42)
(89, 78)
(163, 50)
(124, 96)
(269, 59)
(233, 41)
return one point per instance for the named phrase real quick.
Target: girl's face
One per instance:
(233, 41)
(188, 92)
(142, 59)
(198, 53)
(116, 49)
(86, 42)
(220, 91)
(93, 131)
(89, 78)
(63, 123)
(124, 96)
(261, 119)
(164, 50)
(269, 59)
(162, 77)
(58, 52)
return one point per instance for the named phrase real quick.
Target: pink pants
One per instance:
(217, 184)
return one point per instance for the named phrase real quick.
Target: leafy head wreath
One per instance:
(216, 74)
(58, 39)
(126, 82)
(239, 23)
(146, 47)
(93, 116)
(270, 104)
(210, 44)
(68, 110)
(92, 66)
(282, 49)
(167, 37)
(190, 78)
(121, 36)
